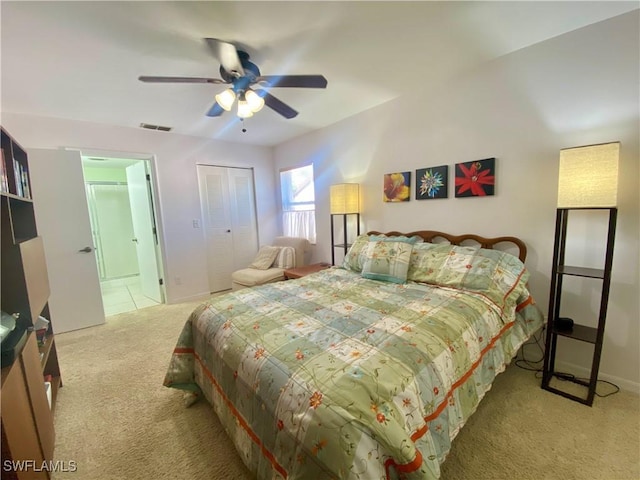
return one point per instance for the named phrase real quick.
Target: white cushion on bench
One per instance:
(250, 277)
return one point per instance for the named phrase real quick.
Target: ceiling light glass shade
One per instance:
(225, 99)
(244, 110)
(588, 176)
(255, 101)
(344, 198)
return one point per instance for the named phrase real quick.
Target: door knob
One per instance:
(86, 250)
(228, 231)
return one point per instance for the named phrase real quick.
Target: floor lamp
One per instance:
(588, 180)
(344, 199)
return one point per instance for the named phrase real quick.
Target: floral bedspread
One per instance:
(337, 376)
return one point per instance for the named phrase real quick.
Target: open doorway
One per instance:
(123, 225)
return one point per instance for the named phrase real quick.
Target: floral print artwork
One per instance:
(397, 187)
(432, 182)
(475, 179)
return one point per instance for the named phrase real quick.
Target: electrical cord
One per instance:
(527, 364)
(569, 377)
(533, 365)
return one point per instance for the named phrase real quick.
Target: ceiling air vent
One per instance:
(149, 126)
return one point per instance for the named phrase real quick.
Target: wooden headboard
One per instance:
(431, 235)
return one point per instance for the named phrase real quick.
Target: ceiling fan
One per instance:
(241, 74)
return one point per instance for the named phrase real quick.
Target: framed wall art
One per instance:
(397, 187)
(475, 179)
(432, 182)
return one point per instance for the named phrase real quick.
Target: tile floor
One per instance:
(123, 295)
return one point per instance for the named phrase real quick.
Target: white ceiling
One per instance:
(81, 60)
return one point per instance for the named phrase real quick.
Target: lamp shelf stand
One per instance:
(344, 199)
(577, 190)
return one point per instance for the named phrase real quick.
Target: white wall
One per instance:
(577, 89)
(175, 162)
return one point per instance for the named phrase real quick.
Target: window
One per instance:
(298, 203)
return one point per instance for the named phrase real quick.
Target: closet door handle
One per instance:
(228, 231)
(86, 250)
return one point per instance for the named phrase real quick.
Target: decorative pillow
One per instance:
(354, 258)
(265, 257)
(399, 238)
(286, 258)
(428, 260)
(497, 275)
(387, 260)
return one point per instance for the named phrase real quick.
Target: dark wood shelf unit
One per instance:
(592, 335)
(27, 417)
(15, 166)
(581, 271)
(579, 332)
(21, 216)
(344, 245)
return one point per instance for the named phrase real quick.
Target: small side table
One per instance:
(300, 272)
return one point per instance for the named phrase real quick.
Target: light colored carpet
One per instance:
(116, 420)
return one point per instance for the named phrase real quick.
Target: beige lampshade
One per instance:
(588, 176)
(344, 198)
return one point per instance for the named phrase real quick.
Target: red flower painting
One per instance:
(475, 179)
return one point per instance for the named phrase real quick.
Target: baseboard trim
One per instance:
(192, 298)
(624, 384)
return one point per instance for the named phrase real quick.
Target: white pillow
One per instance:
(265, 257)
(286, 258)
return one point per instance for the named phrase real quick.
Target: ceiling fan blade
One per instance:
(299, 81)
(227, 55)
(276, 104)
(215, 111)
(151, 79)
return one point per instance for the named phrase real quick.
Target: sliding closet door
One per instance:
(228, 211)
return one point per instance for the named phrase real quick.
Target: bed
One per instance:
(366, 370)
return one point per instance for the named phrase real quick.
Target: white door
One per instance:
(144, 230)
(62, 219)
(113, 230)
(243, 216)
(228, 210)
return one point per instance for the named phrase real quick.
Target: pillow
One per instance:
(286, 258)
(265, 257)
(354, 258)
(497, 275)
(428, 260)
(399, 238)
(387, 260)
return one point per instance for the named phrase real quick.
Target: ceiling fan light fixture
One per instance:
(255, 101)
(226, 98)
(237, 71)
(244, 109)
